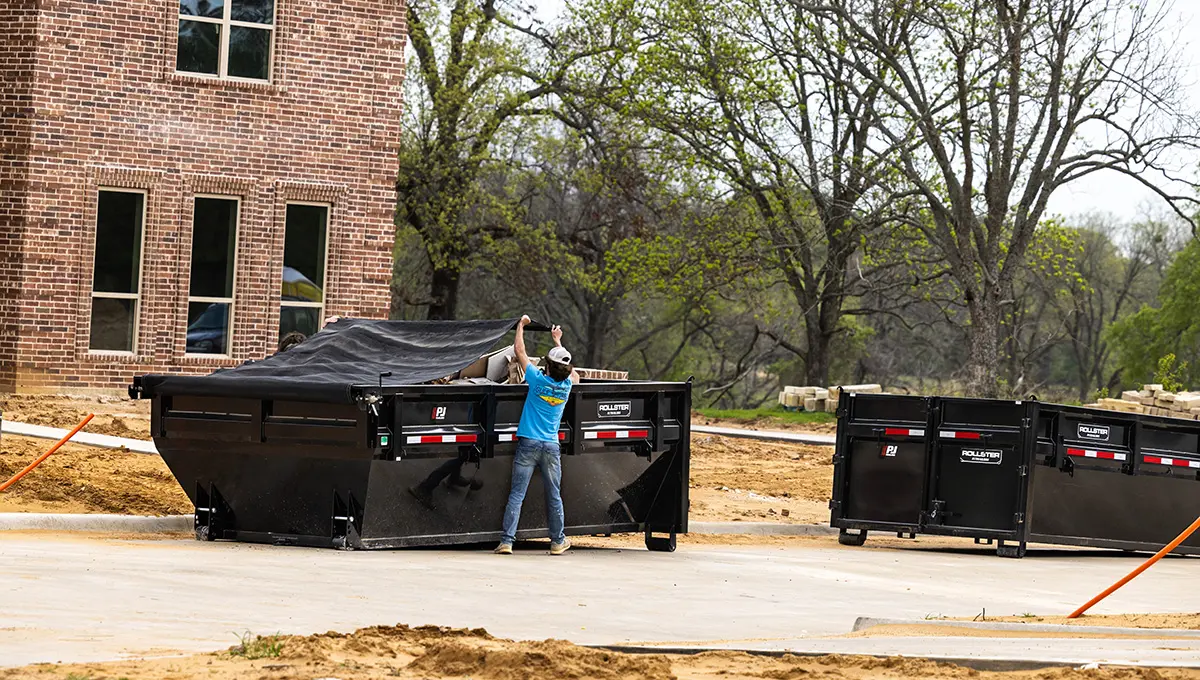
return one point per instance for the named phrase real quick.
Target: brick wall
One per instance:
(110, 111)
(18, 26)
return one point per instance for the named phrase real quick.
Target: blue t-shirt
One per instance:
(544, 406)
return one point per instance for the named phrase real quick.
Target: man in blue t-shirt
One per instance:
(537, 439)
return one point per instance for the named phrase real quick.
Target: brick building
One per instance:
(182, 181)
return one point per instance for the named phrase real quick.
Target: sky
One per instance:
(1101, 192)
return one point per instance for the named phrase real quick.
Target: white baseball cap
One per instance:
(559, 355)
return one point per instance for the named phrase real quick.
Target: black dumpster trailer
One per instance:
(291, 451)
(1014, 472)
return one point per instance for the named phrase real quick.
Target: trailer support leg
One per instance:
(1015, 551)
(658, 543)
(212, 514)
(847, 538)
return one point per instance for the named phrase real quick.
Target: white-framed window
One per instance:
(305, 255)
(226, 38)
(213, 272)
(117, 270)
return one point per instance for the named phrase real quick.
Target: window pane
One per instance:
(199, 47)
(302, 319)
(214, 9)
(255, 11)
(118, 242)
(112, 325)
(304, 253)
(249, 52)
(208, 328)
(214, 239)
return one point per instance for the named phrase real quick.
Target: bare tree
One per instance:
(1010, 100)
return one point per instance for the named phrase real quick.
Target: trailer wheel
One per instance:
(1013, 551)
(847, 538)
(660, 544)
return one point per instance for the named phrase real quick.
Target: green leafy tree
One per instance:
(480, 68)
(1169, 332)
(734, 92)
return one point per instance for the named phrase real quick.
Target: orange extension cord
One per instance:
(46, 455)
(1145, 565)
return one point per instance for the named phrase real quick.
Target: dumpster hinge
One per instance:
(1023, 471)
(834, 505)
(1018, 518)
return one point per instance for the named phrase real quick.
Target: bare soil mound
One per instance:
(85, 479)
(429, 652)
(1176, 621)
(114, 416)
(745, 480)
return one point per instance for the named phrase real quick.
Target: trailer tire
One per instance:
(659, 544)
(847, 538)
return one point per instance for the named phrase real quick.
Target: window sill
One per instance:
(230, 83)
(109, 357)
(211, 360)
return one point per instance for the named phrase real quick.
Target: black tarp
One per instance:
(345, 353)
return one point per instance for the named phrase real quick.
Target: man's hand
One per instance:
(556, 333)
(525, 321)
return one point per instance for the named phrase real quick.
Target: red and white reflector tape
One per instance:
(617, 434)
(1089, 453)
(951, 434)
(1174, 462)
(903, 432)
(512, 437)
(442, 439)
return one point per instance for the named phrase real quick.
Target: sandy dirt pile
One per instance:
(114, 415)
(84, 479)
(745, 480)
(1176, 621)
(429, 652)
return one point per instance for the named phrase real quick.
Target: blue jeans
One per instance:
(535, 454)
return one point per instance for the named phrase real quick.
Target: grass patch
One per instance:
(770, 414)
(257, 647)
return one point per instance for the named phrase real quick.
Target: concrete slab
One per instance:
(84, 437)
(79, 599)
(39, 521)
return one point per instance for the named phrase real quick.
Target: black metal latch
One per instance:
(937, 512)
(1067, 466)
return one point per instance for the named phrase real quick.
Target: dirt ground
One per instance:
(744, 480)
(732, 479)
(1176, 621)
(429, 652)
(83, 479)
(114, 416)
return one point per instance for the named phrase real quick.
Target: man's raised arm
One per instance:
(519, 342)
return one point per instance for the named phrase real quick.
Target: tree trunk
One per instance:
(597, 324)
(443, 289)
(983, 357)
(817, 360)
